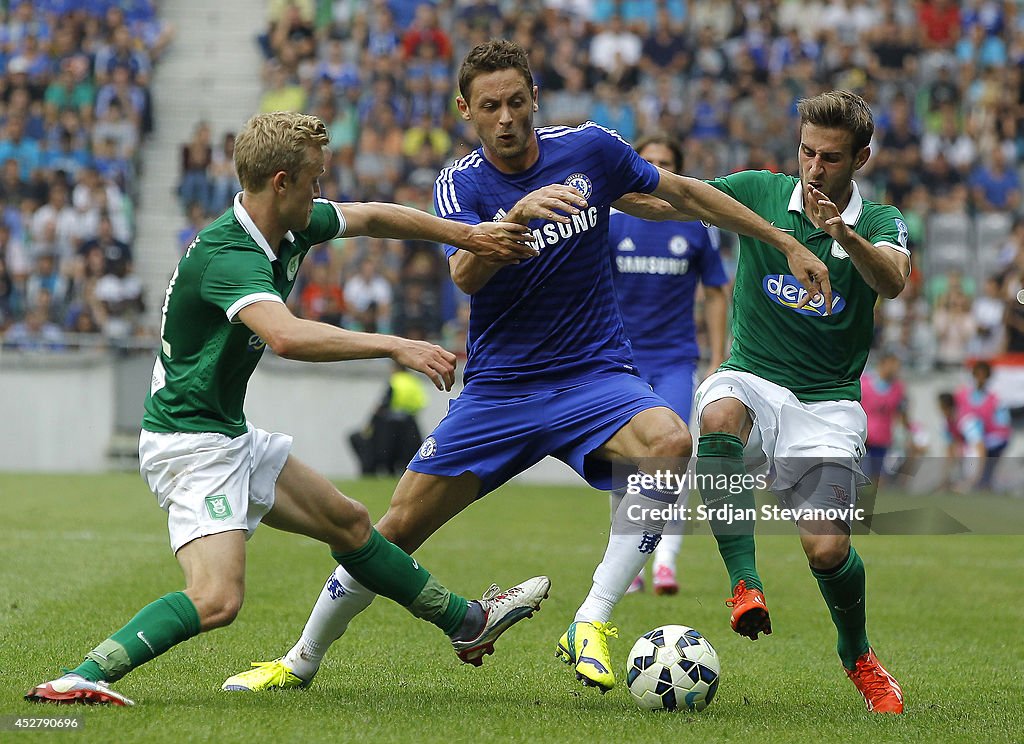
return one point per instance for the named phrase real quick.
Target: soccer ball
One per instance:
(672, 667)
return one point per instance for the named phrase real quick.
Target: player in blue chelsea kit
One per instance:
(550, 370)
(657, 268)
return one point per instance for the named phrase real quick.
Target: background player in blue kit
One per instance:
(656, 268)
(550, 370)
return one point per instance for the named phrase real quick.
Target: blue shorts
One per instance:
(673, 382)
(498, 434)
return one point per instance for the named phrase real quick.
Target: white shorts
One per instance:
(788, 435)
(210, 483)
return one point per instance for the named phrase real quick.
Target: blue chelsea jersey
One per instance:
(552, 318)
(656, 268)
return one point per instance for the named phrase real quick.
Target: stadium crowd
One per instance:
(74, 106)
(944, 79)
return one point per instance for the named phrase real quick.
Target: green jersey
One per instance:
(206, 354)
(816, 356)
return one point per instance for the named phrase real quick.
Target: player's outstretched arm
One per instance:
(310, 341)
(496, 241)
(693, 197)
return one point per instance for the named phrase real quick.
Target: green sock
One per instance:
(719, 462)
(384, 568)
(157, 627)
(844, 593)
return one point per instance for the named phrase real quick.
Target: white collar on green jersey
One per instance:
(850, 215)
(254, 232)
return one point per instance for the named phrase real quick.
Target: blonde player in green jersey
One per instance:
(789, 393)
(217, 475)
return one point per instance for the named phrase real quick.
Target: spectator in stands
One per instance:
(130, 95)
(426, 30)
(223, 178)
(117, 254)
(9, 300)
(283, 92)
(121, 296)
(988, 310)
(664, 49)
(954, 327)
(35, 333)
(573, 104)
(196, 157)
(85, 330)
(368, 298)
(71, 88)
(17, 261)
(56, 224)
(117, 127)
(995, 186)
(378, 157)
(47, 287)
(17, 146)
(322, 299)
(122, 51)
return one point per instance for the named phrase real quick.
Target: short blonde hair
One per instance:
(273, 142)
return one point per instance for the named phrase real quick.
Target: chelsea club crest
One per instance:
(581, 183)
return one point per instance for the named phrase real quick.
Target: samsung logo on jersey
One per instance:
(787, 291)
(652, 265)
(555, 232)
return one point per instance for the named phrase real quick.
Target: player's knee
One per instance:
(824, 555)
(219, 609)
(350, 525)
(402, 527)
(719, 417)
(674, 442)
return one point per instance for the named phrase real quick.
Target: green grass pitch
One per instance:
(80, 554)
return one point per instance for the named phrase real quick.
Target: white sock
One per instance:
(621, 563)
(341, 599)
(633, 536)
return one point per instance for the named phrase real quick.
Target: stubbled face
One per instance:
(297, 201)
(827, 162)
(500, 107)
(659, 155)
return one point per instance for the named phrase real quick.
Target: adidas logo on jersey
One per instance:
(627, 244)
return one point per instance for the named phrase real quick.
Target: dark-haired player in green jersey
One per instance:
(216, 474)
(789, 392)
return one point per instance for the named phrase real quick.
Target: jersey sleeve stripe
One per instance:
(342, 222)
(447, 199)
(441, 192)
(894, 246)
(237, 305)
